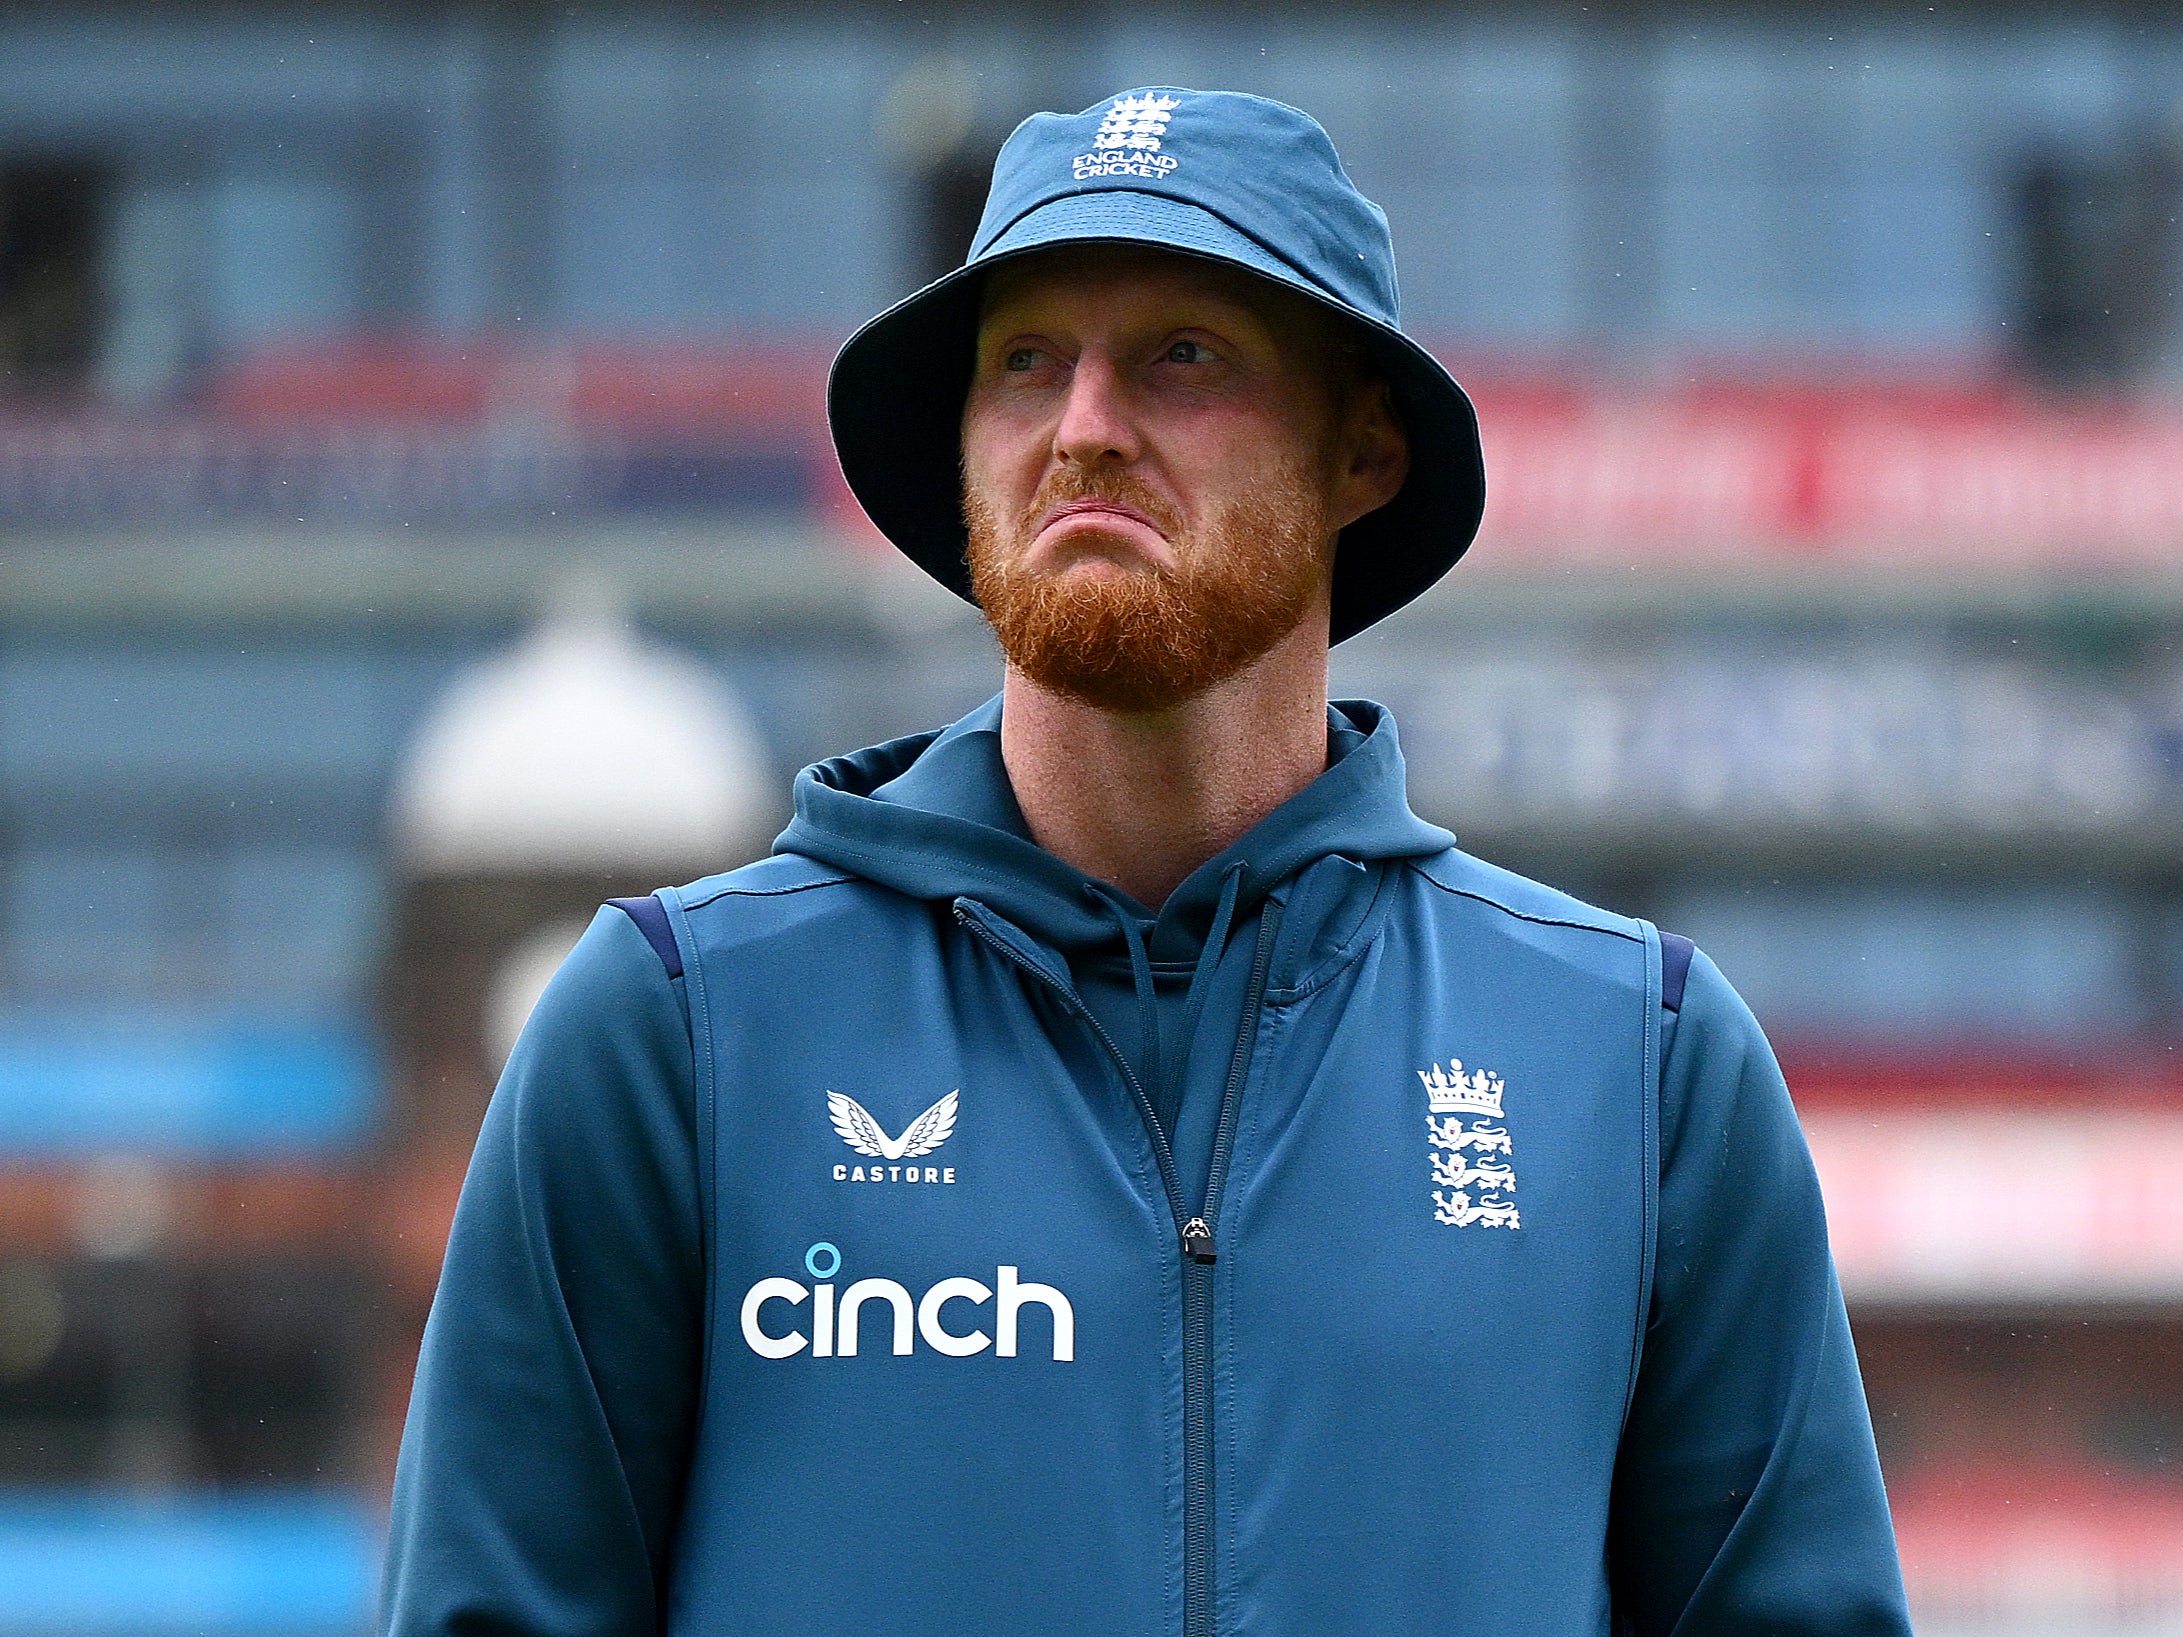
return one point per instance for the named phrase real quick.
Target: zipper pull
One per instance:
(1197, 1240)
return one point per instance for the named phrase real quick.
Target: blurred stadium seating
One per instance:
(1829, 610)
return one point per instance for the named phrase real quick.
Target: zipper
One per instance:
(1197, 1312)
(1199, 1251)
(1231, 1094)
(1161, 1150)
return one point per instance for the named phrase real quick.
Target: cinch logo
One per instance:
(836, 1324)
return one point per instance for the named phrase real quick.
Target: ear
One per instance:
(1374, 454)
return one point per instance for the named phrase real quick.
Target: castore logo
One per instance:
(855, 1126)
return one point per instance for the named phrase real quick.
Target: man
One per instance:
(1114, 1169)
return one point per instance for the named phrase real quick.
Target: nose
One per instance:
(1096, 427)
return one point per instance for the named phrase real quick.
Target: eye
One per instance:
(1186, 352)
(1021, 358)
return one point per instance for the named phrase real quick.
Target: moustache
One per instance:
(1073, 483)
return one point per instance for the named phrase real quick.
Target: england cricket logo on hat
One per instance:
(1127, 142)
(1471, 1187)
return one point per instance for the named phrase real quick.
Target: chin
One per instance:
(1093, 565)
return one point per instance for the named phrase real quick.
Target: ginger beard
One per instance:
(1149, 638)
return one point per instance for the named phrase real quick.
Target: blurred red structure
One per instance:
(1973, 474)
(2025, 1547)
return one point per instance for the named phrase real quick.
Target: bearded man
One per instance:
(1295, 1224)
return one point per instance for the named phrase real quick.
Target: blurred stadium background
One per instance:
(410, 428)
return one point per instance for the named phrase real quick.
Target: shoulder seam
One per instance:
(768, 892)
(650, 915)
(1676, 952)
(1513, 913)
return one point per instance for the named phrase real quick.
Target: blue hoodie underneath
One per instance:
(961, 777)
(1383, 1406)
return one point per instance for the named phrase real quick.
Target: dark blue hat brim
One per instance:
(895, 403)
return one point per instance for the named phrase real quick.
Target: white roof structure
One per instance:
(584, 748)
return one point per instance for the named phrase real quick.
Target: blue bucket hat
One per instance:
(1233, 178)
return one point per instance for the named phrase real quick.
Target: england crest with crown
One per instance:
(1127, 142)
(1472, 1189)
(1136, 122)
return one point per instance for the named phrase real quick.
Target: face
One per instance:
(1158, 453)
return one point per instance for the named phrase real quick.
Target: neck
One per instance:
(1140, 799)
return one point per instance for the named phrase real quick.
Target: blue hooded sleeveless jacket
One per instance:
(866, 1240)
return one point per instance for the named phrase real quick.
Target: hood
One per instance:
(934, 816)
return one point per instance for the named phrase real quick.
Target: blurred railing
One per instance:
(1978, 477)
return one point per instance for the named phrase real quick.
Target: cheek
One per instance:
(1242, 456)
(1000, 454)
